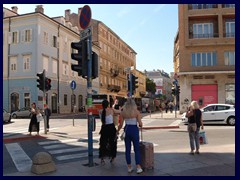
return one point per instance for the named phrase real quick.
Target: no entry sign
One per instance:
(85, 17)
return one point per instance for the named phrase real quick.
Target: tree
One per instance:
(150, 86)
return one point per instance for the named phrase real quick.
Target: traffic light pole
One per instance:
(131, 87)
(176, 85)
(89, 101)
(44, 102)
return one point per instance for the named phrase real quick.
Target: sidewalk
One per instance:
(213, 160)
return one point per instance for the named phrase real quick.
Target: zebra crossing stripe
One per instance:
(73, 156)
(21, 160)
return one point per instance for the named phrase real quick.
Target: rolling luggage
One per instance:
(147, 154)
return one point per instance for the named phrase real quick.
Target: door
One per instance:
(54, 103)
(209, 113)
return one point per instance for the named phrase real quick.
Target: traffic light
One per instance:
(94, 65)
(81, 57)
(47, 84)
(178, 90)
(134, 82)
(40, 81)
(173, 90)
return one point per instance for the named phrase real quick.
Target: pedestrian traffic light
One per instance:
(80, 57)
(47, 84)
(40, 81)
(134, 82)
(173, 90)
(94, 65)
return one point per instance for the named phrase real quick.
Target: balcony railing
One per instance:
(113, 88)
(228, 5)
(229, 35)
(201, 36)
(201, 6)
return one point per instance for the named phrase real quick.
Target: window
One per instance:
(45, 38)
(204, 59)
(203, 30)
(65, 99)
(222, 108)
(27, 100)
(65, 69)
(54, 41)
(203, 6)
(54, 66)
(13, 63)
(230, 28)
(26, 62)
(26, 35)
(45, 63)
(15, 37)
(230, 94)
(229, 58)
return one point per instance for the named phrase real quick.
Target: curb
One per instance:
(16, 139)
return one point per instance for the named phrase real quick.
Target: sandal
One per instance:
(112, 160)
(102, 162)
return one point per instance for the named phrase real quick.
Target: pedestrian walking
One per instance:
(194, 116)
(47, 113)
(108, 135)
(132, 118)
(116, 116)
(34, 124)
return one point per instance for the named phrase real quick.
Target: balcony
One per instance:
(113, 88)
(114, 72)
(203, 36)
(201, 6)
(229, 35)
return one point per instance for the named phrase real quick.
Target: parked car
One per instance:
(23, 112)
(6, 116)
(216, 113)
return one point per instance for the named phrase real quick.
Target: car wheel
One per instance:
(231, 121)
(14, 116)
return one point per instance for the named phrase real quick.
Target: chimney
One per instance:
(67, 14)
(39, 8)
(15, 9)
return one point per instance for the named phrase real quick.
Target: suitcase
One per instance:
(147, 154)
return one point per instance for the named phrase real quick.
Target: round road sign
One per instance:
(85, 17)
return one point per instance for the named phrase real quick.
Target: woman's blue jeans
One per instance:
(194, 139)
(132, 135)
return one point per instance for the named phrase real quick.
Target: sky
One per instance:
(149, 29)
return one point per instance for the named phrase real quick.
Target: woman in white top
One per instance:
(108, 136)
(132, 118)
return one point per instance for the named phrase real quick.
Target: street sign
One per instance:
(73, 85)
(85, 34)
(85, 17)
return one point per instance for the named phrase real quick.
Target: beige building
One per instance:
(114, 57)
(204, 54)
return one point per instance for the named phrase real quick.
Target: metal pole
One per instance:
(89, 100)
(130, 76)
(176, 83)
(44, 102)
(73, 106)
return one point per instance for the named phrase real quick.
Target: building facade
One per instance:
(204, 54)
(33, 42)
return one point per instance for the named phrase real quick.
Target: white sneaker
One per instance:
(139, 170)
(130, 169)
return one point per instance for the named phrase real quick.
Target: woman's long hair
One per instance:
(105, 104)
(129, 108)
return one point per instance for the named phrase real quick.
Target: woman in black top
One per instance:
(194, 115)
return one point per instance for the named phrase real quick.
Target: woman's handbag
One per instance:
(39, 117)
(192, 127)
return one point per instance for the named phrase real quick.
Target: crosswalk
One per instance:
(67, 149)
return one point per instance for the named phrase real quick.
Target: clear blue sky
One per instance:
(149, 29)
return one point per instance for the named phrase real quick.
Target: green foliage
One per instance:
(150, 86)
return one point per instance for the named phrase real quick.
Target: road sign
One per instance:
(85, 17)
(73, 85)
(85, 34)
